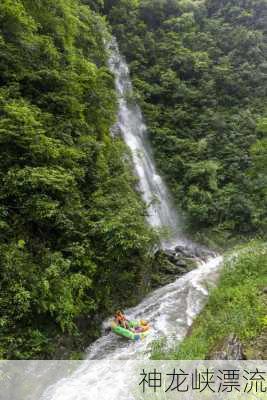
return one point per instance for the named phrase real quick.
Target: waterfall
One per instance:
(170, 309)
(161, 212)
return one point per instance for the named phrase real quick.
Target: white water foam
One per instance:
(170, 310)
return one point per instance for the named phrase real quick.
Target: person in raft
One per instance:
(121, 320)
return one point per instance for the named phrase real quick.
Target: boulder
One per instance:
(185, 251)
(194, 252)
(170, 264)
(170, 254)
(182, 261)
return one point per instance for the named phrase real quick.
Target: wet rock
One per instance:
(180, 262)
(169, 264)
(264, 290)
(171, 255)
(185, 251)
(194, 252)
(168, 268)
(230, 349)
(190, 252)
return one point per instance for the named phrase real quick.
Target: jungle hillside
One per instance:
(74, 240)
(200, 74)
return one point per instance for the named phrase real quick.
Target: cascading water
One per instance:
(170, 309)
(161, 213)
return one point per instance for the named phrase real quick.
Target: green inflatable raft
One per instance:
(119, 330)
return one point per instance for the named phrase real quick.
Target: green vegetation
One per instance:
(200, 74)
(237, 306)
(74, 243)
(73, 237)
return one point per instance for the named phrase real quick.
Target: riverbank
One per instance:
(235, 309)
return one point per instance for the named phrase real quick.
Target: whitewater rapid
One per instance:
(170, 311)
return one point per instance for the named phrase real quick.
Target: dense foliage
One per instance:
(237, 306)
(73, 241)
(200, 73)
(74, 244)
